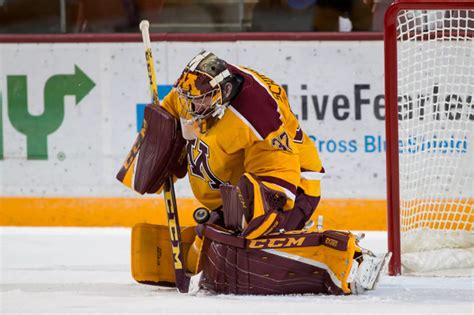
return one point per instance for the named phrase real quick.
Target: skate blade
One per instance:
(371, 269)
(383, 268)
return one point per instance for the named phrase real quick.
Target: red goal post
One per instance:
(449, 23)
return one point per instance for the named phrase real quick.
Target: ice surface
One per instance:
(87, 270)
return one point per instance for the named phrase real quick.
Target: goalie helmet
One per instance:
(200, 89)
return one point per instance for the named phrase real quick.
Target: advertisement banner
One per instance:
(70, 111)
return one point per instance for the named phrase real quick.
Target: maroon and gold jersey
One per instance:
(258, 134)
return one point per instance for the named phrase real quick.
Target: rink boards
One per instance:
(70, 113)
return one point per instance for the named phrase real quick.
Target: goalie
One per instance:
(250, 163)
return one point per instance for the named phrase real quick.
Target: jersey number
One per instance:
(282, 142)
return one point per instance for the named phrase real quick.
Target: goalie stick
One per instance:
(182, 280)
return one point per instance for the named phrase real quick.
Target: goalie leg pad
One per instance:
(287, 263)
(192, 258)
(152, 256)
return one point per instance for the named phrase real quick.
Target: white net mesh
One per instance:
(436, 122)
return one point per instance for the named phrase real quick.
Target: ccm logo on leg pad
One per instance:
(277, 242)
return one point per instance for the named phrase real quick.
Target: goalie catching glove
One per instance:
(158, 152)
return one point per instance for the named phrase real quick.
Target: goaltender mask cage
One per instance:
(429, 92)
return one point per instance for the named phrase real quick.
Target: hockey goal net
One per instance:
(429, 91)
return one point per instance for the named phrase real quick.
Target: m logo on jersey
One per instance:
(199, 166)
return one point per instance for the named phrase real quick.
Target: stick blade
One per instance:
(194, 284)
